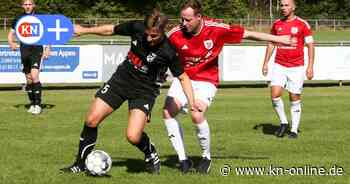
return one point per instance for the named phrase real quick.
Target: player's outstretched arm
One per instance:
(284, 39)
(11, 38)
(103, 30)
(187, 88)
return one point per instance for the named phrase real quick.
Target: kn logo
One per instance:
(44, 29)
(29, 29)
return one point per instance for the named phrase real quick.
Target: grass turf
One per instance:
(34, 148)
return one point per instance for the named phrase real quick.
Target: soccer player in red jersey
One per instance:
(288, 70)
(198, 42)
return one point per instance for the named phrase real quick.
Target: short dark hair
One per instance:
(156, 19)
(26, 0)
(194, 4)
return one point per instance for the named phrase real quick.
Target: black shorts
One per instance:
(30, 61)
(114, 97)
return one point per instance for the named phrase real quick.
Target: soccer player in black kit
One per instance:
(137, 80)
(31, 57)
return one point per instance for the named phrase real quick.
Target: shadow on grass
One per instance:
(267, 128)
(26, 106)
(132, 165)
(171, 161)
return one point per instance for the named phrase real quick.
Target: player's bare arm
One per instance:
(311, 55)
(251, 35)
(12, 40)
(268, 54)
(187, 88)
(103, 30)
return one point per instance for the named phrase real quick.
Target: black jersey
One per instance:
(24, 48)
(145, 67)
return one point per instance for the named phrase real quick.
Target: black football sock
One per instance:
(29, 89)
(145, 144)
(87, 143)
(36, 93)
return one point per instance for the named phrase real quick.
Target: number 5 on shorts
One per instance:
(105, 89)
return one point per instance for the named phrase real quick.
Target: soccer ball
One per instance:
(98, 163)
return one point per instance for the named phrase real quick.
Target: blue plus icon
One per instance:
(58, 29)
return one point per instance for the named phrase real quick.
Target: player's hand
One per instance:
(196, 107)
(288, 40)
(78, 30)
(13, 46)
(309, 73)
(265, 70)
(46, 53)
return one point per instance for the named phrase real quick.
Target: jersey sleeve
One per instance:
(234, 34)
(308, 38)
(128, 28)
(13, 23)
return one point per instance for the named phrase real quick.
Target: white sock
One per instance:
(203, 135)
(175, 135)
(277, 104)
(295, 110)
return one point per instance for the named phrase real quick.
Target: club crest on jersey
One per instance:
(151, 57)
(294, 30)
(208, 44)
(279, 29)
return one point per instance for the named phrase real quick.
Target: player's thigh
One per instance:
(276, 91)
(204, 93)
(107, 99)
(35, 60)
(98, 111)
(136, 125)
(176, 93)
(171, 108)
(278, 76)
(111, 94)
(26, 65)
(142, 103)
(295, 82)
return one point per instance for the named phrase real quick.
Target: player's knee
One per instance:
(133, 138)
(167, 113)
(92, 120)
(197, 117)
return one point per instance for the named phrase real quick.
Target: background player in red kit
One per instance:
(288, 69)
(198, 41)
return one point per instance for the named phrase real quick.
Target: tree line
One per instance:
(319, 9)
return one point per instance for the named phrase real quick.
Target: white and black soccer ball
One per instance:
(98, 163)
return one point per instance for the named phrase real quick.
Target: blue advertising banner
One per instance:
(10, 61)
(61, 59)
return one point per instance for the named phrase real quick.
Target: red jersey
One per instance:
(199, 53)
(300, 30)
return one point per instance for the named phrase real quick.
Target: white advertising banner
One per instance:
(96, 63)
(243, 63)
(66, 64)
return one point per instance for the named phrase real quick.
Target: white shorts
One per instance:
(204, 91)
(290, 78)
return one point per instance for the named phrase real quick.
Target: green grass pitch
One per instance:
(34, 148)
